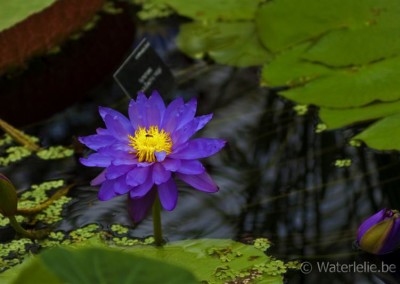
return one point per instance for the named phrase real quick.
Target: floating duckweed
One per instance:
(91, 24)
(300, 109)
(52, 214)
(273, 268)
(37, 194)
(124, 241)
(355, 143)
(119, 229)
(293, 264)
(262, 244)
(149, 241)
(14, 154)
(13, 252)
(55, 152)
(224, 254)
(343, 163)
(84, 233)
(224, 273)
(110, 8)
(153, 9)
(320, 127)
(54, 50)
(57, 235)
(5, 140)
(5, 221)
(48, 184)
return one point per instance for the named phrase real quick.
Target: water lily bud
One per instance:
(380, 233)
(8, 197)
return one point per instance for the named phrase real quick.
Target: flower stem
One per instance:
(39, 234)
(158, 238)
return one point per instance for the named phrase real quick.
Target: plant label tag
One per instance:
(144, 71)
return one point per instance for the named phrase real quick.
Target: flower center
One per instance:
(148, 142)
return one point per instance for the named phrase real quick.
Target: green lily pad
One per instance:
(215, 9)
(378, 38)
(99, 265)
(335, 118)
(382, 135)
(210, 260)
(352, 87)
(15, 11)
(232, 43)
(284, 23)
(276, 72)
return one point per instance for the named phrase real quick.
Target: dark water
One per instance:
(277, 176)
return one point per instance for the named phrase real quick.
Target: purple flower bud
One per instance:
(380, 233)
(8, 197)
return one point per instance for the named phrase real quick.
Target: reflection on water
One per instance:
(277, 176)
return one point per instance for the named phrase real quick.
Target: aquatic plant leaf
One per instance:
(336, 118)
(97, 265)
(232, 43)
(13, 12)
(346, 63)
(211, 260)
(215, 9)
(351, 87)
(285, 23)
(382, 135)
(218, 260)
(377, 39)
(276, 72)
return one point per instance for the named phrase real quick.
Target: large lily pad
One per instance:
(215, 9)
(96, 265)
(232, 43)
(342, 56)
(15, 11)
(210, 260)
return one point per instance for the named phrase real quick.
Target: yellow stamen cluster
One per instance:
(146, 142)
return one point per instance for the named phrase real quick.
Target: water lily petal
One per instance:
(120, 187)
(104, 111)
(168, 194)
(199, 148)
(371, 221)
(160, 156)
(201, 182)
(96, 160)
(114, 171)
(139, 207)
(191, 167)
(203, 120)
(392, 239)
(171, 164)
(106, 191)
(99, 179)
(183, 134)
(155, 109)
(172, 114)
(142, 189)
(95, 142)
(160, 174)
(137, 111)
(116, 128)
(188, 113)
(137, 176)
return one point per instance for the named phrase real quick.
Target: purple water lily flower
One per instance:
(142, 155)
(380, 233)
